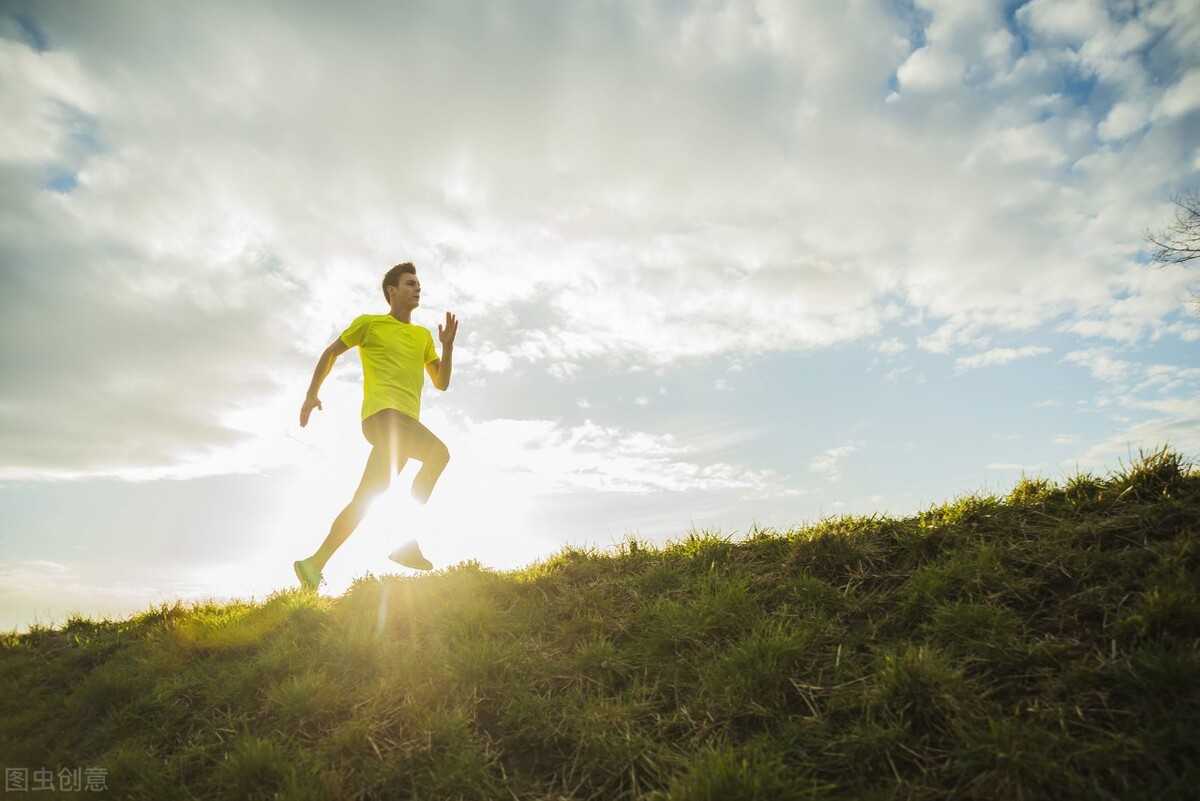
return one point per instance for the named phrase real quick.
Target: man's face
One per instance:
(408, 291)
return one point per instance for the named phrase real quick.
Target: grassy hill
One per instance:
(1043, 644)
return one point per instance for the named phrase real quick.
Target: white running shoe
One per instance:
(409, 554)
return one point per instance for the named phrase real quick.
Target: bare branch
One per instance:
(1181, 242)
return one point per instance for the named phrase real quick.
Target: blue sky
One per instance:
(716, 265)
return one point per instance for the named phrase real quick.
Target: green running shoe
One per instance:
(310, 579)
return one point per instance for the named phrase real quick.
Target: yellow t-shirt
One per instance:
(394, 355)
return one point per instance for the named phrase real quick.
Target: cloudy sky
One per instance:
(717, 265)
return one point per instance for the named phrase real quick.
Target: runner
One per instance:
(393, 351)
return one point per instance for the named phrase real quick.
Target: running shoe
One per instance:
(310, 579)
(409, 554)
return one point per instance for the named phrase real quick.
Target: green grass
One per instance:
(1043, 644)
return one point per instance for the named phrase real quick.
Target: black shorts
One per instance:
(395, 431)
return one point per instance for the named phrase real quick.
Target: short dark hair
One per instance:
(392, 276)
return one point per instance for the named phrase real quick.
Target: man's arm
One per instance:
(325, 364)
(439, 369)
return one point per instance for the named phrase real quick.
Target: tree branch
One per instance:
(1181, 242)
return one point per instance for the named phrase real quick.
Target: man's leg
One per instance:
(376, 478)
(421, 444)
(433, 455)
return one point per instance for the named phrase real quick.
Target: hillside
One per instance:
(1043, 644)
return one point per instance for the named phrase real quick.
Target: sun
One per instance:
(479, 510)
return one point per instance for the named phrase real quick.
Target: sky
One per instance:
(717, 266)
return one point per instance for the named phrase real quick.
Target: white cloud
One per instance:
(1188, 333)
(11, 570)
(952, 334)
(1166, 377)
(1176, 407)
(1123, 119)
(1121, 330)
(43, 91)
(543, 457)
(997, 356)
(1064, 439)
(1133, 377)
(1101, 363)
(891, 346)
(76, 590)
(563, 370)
(1179, 430)
(1063, 20)
(1151, 294)
(1036, 143)
(495, 361)
(830, 462)
(930, 69)
(1131, 36)
(1182, 97)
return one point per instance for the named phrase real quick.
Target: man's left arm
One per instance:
(439, 369)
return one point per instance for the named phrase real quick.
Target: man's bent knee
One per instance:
(360, 506)
(367, 494)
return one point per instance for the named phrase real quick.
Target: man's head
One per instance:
(401, 287)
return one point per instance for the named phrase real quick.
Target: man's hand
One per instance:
(446, 335)
(312, 401)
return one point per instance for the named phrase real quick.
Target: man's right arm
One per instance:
(325, 364)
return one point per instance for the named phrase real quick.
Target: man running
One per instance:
(393, 351)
